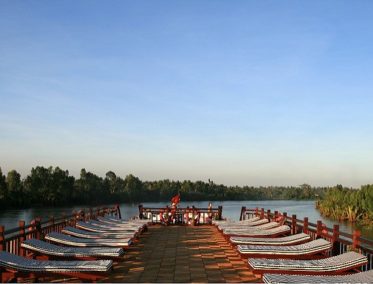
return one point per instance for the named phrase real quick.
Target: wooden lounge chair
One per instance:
(13, 266)
(273, 232)
(301, 251)
(361, 277)
(94, 235)
(282, 241)
(84, 242)
(331, 265)
(104, 229)
(48, 250)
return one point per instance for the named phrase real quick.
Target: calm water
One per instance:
(231, 209)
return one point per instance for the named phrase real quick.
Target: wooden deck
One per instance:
(182, 254)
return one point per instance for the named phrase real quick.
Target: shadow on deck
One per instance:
(182, 254)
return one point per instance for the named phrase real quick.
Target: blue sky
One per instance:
(243, 92)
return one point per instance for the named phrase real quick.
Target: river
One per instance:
(231, 209)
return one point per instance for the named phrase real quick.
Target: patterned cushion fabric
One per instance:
(361, 277)
(102, 229)
(110, 220)
(254, 228)
(130, 225)
(51, 249)
(12, 261)
(312, 247)
(253, 219)
(288, 240)
(254, 233)
(332, 264)
(84, 242)
(243, 225)
(95, 235)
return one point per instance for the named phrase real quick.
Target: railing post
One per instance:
(119, 214)
(141, 214)
(39, 234)
(335, 249)
(276, 215)
(356, 239)
(2, 238)
(22, 234)
(262, 213)
(305, 225)
(294, 224)
(269, 215)
(220, 212)
(243, 211)
(318, 229)
(285, 216)
(256, 212)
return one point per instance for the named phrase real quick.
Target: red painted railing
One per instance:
(342, 242)
(189, 215)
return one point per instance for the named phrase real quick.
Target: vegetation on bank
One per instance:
(54, 186)
(348, 204)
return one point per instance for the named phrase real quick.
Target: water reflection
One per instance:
(231, 209)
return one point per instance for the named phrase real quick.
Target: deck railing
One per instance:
(342, 242)
(10, 240)
(188, 215)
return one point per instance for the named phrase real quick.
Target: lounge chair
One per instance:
(302, 251)
(253, 224)
(50, 250)
(14, 266)
(117, 225)
(84, 242)
(104, 229)
(288, 240)
(253, 219)
(111, 220)
(272, 232)
(361, 277)
(94, 235)
(266, 226)
(331, 265)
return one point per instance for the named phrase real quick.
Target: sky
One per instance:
(239, 92)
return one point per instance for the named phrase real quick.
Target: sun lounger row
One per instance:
(94, 240)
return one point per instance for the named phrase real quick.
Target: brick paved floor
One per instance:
(182, 254)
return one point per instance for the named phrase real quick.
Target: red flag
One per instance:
(176, 199)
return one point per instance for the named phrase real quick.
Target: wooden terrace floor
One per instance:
(182, 254)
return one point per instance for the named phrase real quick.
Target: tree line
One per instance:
(348, 204)
(53, 186)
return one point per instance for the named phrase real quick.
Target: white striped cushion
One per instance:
(12, 261)
(335, 263)
(51, 249)
(288, 240)
(255, 228)
(312, 247)
(95, 235)
(80, 242)
(361, 277)
(269, 232)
